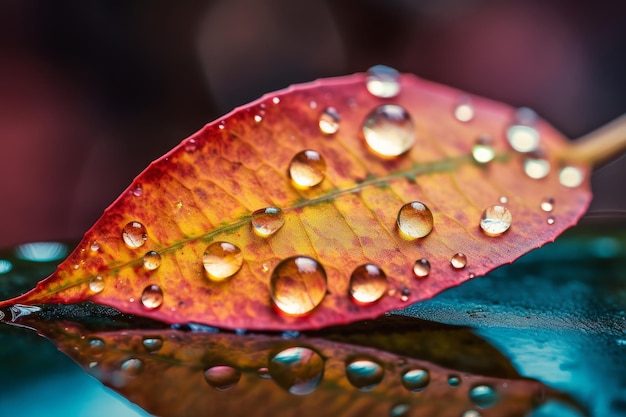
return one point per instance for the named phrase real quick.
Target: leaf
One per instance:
(205, 190)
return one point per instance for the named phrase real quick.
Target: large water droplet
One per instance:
(383, 81)
(547, 204)
(364, 374)
(416, 380)
(222, 260)
(298, 285)
(152, 297)
(458, 260)
(495, 220)
(132, 367)
(96, 284)
(222, 378)
(482, 151)
(368, 283)
(152, 344)
(536, 168)
(267, 221)
(152, 260)
(307, 169)
(464, 111)
(483, 396)
(389, 130)
(299, 370)
(134, 235)
(329, 121)
(415, 220)
(421, 268)
(571, 177)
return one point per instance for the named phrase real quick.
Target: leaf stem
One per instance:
(599, 145)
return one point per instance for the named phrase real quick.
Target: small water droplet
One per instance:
(522, 135)
(389, 130)
(134, 235)
(152, 344)
(151, 260)
(400, 410)
(137, 191)
(368, 283)
(405, 294)
(313, 104)
(495, 220)
(571, 177)
(190, 145)
(458, 260)
(179, 204)
(415, 220)
(329, 121)
(275, 100)
(416, 380)
(307, 169)
(265, 268)
(132, 367)
(454, 381)
(483, 396)
(222, 260)
(267, 221)
(464, 111)
(550, 220)
(503, 200)
(258, 118)
(222, 377)
(95, 247)
(470, 413)
(483, 151)
(383, 81)
(421, 268)
(298, 285)
(152, 297)
(298, 370)
(536, 168)
(96, 284)
(96, 346)
(264, 373)
(547, 204)
(364, 374)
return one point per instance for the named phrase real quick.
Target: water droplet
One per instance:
(571, 177)
(383, 81)
(190, 145)
(137, 191)
(421, 268)
(275, 100)
(389, 130)
(313, 104)
(405, 294)
(95, 247)
(416, 380)
(96, 346)
(454, 381)
(503, 200)
(464, 111)
(152, 344)
(329, 121)
(179, 204)
(264, 373)
(151, 260)
(483, 396)
(368, 283)
(298, 285)
(222, 260)
(258, 118)
(495, 220)
(265, 268)
(132, 367)
(458, 260)
(547, 204)
(96, 284)
(415, 220)
(522, 135)
(298, 370)
(267, 221)
(400, 410)
(536, 168)
(470, 413)
(222, 377)
(364, 374)
(134, 235)
(307, 169)
(482, 151)
(152, 297)
(550, 220)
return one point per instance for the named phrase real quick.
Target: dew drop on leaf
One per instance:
(503, 200)
(470, 413)
(521, 134)
(550, 220)
(458, 260)
(152, 297)
(416, 380)
(400, 410)
(405, 294)
(95, 246)
(134, 235)
(152, 344)
(307, 169)
(329, 121)
(415, 220)
(267, 221)
(96, 284)
(368, 283)
(454, 381)
(483, 396)
(96, 346)
(132, 367)
(151, 260)
(571, 177)
(536, 168)
(421, 268)
(464, 111)
(482, 151)
(298, 285)
(264, 373)
(495, 220)
(383, 81)
(222, 260)
(364, 374)
(547, 204)
(298, 370)
(389, 130)
(222, 377)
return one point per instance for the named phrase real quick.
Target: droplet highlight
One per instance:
(307, 169)
(368, 284)
(536, 168)
(483, 151)
(550, 220)
(421, 268)
(547, 204)
(131, 368)
(483, 396)
(299, 370)
(96, 285)
(134, 235)
(152, 297)
(222, 260)
(495, 220)
(222, 377)
(522, 135)
(400, 410)
(151, 260)
(389, 131)
(454, 381)
(152, 344)
(267, 221)
(415, 220)
(464, 111)
(458, 260)
(383, 81)
(571, 177)
(364, 374)
(298, 285)
(329, 121)
(416, 380)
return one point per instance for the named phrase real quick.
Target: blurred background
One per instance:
(91, 92)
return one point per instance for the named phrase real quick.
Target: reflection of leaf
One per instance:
(205, 191)
(176, 373)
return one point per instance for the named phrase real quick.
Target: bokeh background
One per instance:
(92, 91)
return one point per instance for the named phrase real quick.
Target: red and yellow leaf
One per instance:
(178, 244)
